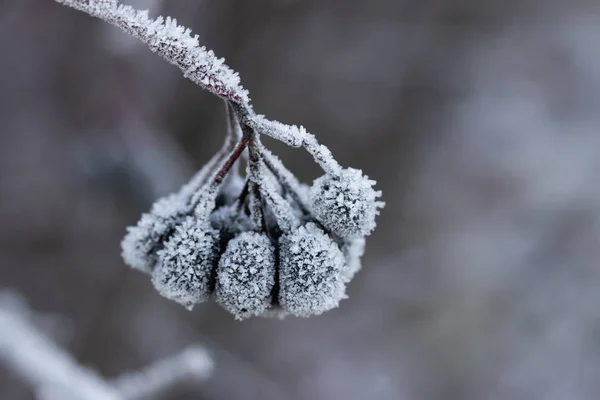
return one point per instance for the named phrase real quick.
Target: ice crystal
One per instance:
(246, 275)
(310, 272)
(346, 203)
(185, 269)
(142, 241)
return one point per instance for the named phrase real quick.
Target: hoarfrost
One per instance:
(310, 272)
(246, 275)
(346, 203)
(185, 268)
(142, 241)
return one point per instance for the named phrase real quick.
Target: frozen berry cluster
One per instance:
(262, 244)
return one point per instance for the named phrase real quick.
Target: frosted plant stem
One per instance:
(234, 132)
(218, 176)
(233, 126)
(281, 208)
(193, 363)
(256, 212)
(321, 154)
(46, 366)
(176, 44)
(55, 374)
(283, 176)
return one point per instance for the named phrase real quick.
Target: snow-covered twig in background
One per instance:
(192, 363)
(55, 374)
(43, 364)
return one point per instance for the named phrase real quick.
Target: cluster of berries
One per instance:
(263, 244)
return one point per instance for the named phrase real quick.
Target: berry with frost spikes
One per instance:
(185, 269)
(141, 242)
(246, 275)
(186, 264)
(346, 203)
(310, 271)
(353, 250)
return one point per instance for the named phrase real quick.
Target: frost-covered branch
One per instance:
(192, 363)
(173, 42)
(55, 374)
(43, 364)
(177, 45)
(215, 237)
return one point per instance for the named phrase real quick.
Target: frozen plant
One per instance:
(55, 374)
(262, 244)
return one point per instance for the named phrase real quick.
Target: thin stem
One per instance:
(284, 177)
(233, 126)
(281, 208)
(242, 197)
(235, 154)
(200, 178)
(321, 154)
(256, 210)
(212, 189)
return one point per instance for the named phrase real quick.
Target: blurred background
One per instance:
(478, 118)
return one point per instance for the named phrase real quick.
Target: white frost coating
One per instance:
(234, 130)
(288, 179)
(283, 211)
(176, 44)
(246, 275)
(257, 213)
(142, 241)
(173, 42)
(185, 269)
(177, 234)
(346, 203)
(192, 363)
(353, 250)
(310, 272)
(54, 374)
(321, 154)
(291, 135)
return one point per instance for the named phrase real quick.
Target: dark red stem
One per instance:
(237, 152)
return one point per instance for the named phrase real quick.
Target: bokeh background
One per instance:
(479, 119)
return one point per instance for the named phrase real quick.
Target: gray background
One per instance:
(478, 118)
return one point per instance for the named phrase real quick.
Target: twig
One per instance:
(55, 374)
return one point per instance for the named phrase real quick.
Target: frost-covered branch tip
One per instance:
(177, 45)
(55, 374)
(173, 42)
(260, 243)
